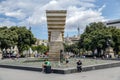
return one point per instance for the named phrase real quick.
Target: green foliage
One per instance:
(7, 37)
(96, 36)
(15, 35)
(72, 48)
(40, 48)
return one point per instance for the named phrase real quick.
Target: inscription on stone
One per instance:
(55, 46)
(56, 36)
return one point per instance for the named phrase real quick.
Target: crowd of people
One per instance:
(10, 53)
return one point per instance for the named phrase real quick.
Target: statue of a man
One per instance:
(4, 51)
(108, 42)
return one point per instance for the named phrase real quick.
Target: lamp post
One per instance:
(0, 51)
(30, 34)
(30, 42)
(0, 44)
(61, 56)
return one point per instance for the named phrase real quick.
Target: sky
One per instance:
(79, 14)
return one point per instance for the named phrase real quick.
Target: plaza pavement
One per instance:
(34, 64)
(72, 62)
(104, 74)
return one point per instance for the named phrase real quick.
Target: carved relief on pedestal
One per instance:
(56, 36)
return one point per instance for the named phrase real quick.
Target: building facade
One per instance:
(41, 42)
(72, 40)
(115, 23)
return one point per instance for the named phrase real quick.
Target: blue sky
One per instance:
(79, 13)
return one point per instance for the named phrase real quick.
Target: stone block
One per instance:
(54, 56)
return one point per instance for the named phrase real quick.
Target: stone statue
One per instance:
(11, 50)
(109, 50)
(108, 42)
(30, 52)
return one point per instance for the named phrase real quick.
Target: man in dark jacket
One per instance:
(79, 66)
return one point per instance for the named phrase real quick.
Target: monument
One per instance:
(56, 23)
(109, 50)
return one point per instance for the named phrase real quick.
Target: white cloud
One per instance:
(6, 22)
(82, 18)
(80, 12)
(17, 14)
(89, 0)
(100, 9)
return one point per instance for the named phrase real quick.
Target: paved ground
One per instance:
(72, 62)
(104, 74)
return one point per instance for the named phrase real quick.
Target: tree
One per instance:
(15, 35)
(95, 37)
(116, 38)
(8, 38)
(40, 48)
(25, 37)
(72, 48)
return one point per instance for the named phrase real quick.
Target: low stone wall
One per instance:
(21, 67)
(88, 68)
(66, 70)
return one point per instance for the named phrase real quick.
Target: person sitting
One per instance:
(46, 66)
(79, 66)
(67, 61)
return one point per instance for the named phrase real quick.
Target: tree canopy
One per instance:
(15, 35)
(96, 36)
(40, 48)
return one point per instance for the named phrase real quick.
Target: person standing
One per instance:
(79, 66)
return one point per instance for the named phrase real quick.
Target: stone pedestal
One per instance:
(54, 50)
(109, 51)
(56, 24)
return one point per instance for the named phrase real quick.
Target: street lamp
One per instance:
(0, 44)
(30, 42)
(61, 56)
(0, 51)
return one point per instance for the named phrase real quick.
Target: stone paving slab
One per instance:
(64, 71)
(36, 66)
(103, 74)
(72, 62)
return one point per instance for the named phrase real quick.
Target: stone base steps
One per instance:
(65, 70)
